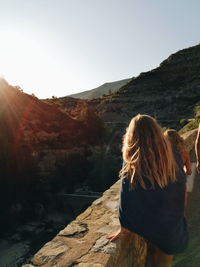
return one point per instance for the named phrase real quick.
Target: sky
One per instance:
(61, 47)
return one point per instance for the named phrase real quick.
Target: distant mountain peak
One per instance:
(104, 89)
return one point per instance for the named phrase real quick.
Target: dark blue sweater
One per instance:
(157, 214)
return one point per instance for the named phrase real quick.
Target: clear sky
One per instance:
(60, 47)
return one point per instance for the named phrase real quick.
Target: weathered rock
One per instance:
(51, 252)
(73, 229)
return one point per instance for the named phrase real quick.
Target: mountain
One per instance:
(169, 92)
(104, 89)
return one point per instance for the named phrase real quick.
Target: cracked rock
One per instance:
(74, 229)
(103, 245)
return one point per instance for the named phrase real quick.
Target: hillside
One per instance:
(169, 92)
(43, 149)
(26, 119)
(104, 89)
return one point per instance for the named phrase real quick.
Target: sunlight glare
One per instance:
(25, 59)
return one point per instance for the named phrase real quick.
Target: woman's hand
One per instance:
(198, 167)
(121, 232)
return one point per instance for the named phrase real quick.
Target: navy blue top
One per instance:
(157, 214)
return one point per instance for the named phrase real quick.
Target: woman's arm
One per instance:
(186, 162)
(187, 166)
(197, 149)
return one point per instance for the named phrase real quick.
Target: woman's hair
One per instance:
(175, 139)
(147, 154)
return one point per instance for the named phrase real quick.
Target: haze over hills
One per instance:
(104, 89)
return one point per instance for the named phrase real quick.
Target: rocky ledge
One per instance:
(84, 243)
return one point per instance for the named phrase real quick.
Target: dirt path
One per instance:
(191, 257)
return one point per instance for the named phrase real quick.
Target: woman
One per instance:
(152, 192)
(177, 142)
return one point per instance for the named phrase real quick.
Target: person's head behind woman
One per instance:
(175, 139)
(147, 154)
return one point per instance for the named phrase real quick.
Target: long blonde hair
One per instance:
(175, 139)
(147, 154)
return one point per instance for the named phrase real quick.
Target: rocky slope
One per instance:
(27, 119)
(104, 89)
